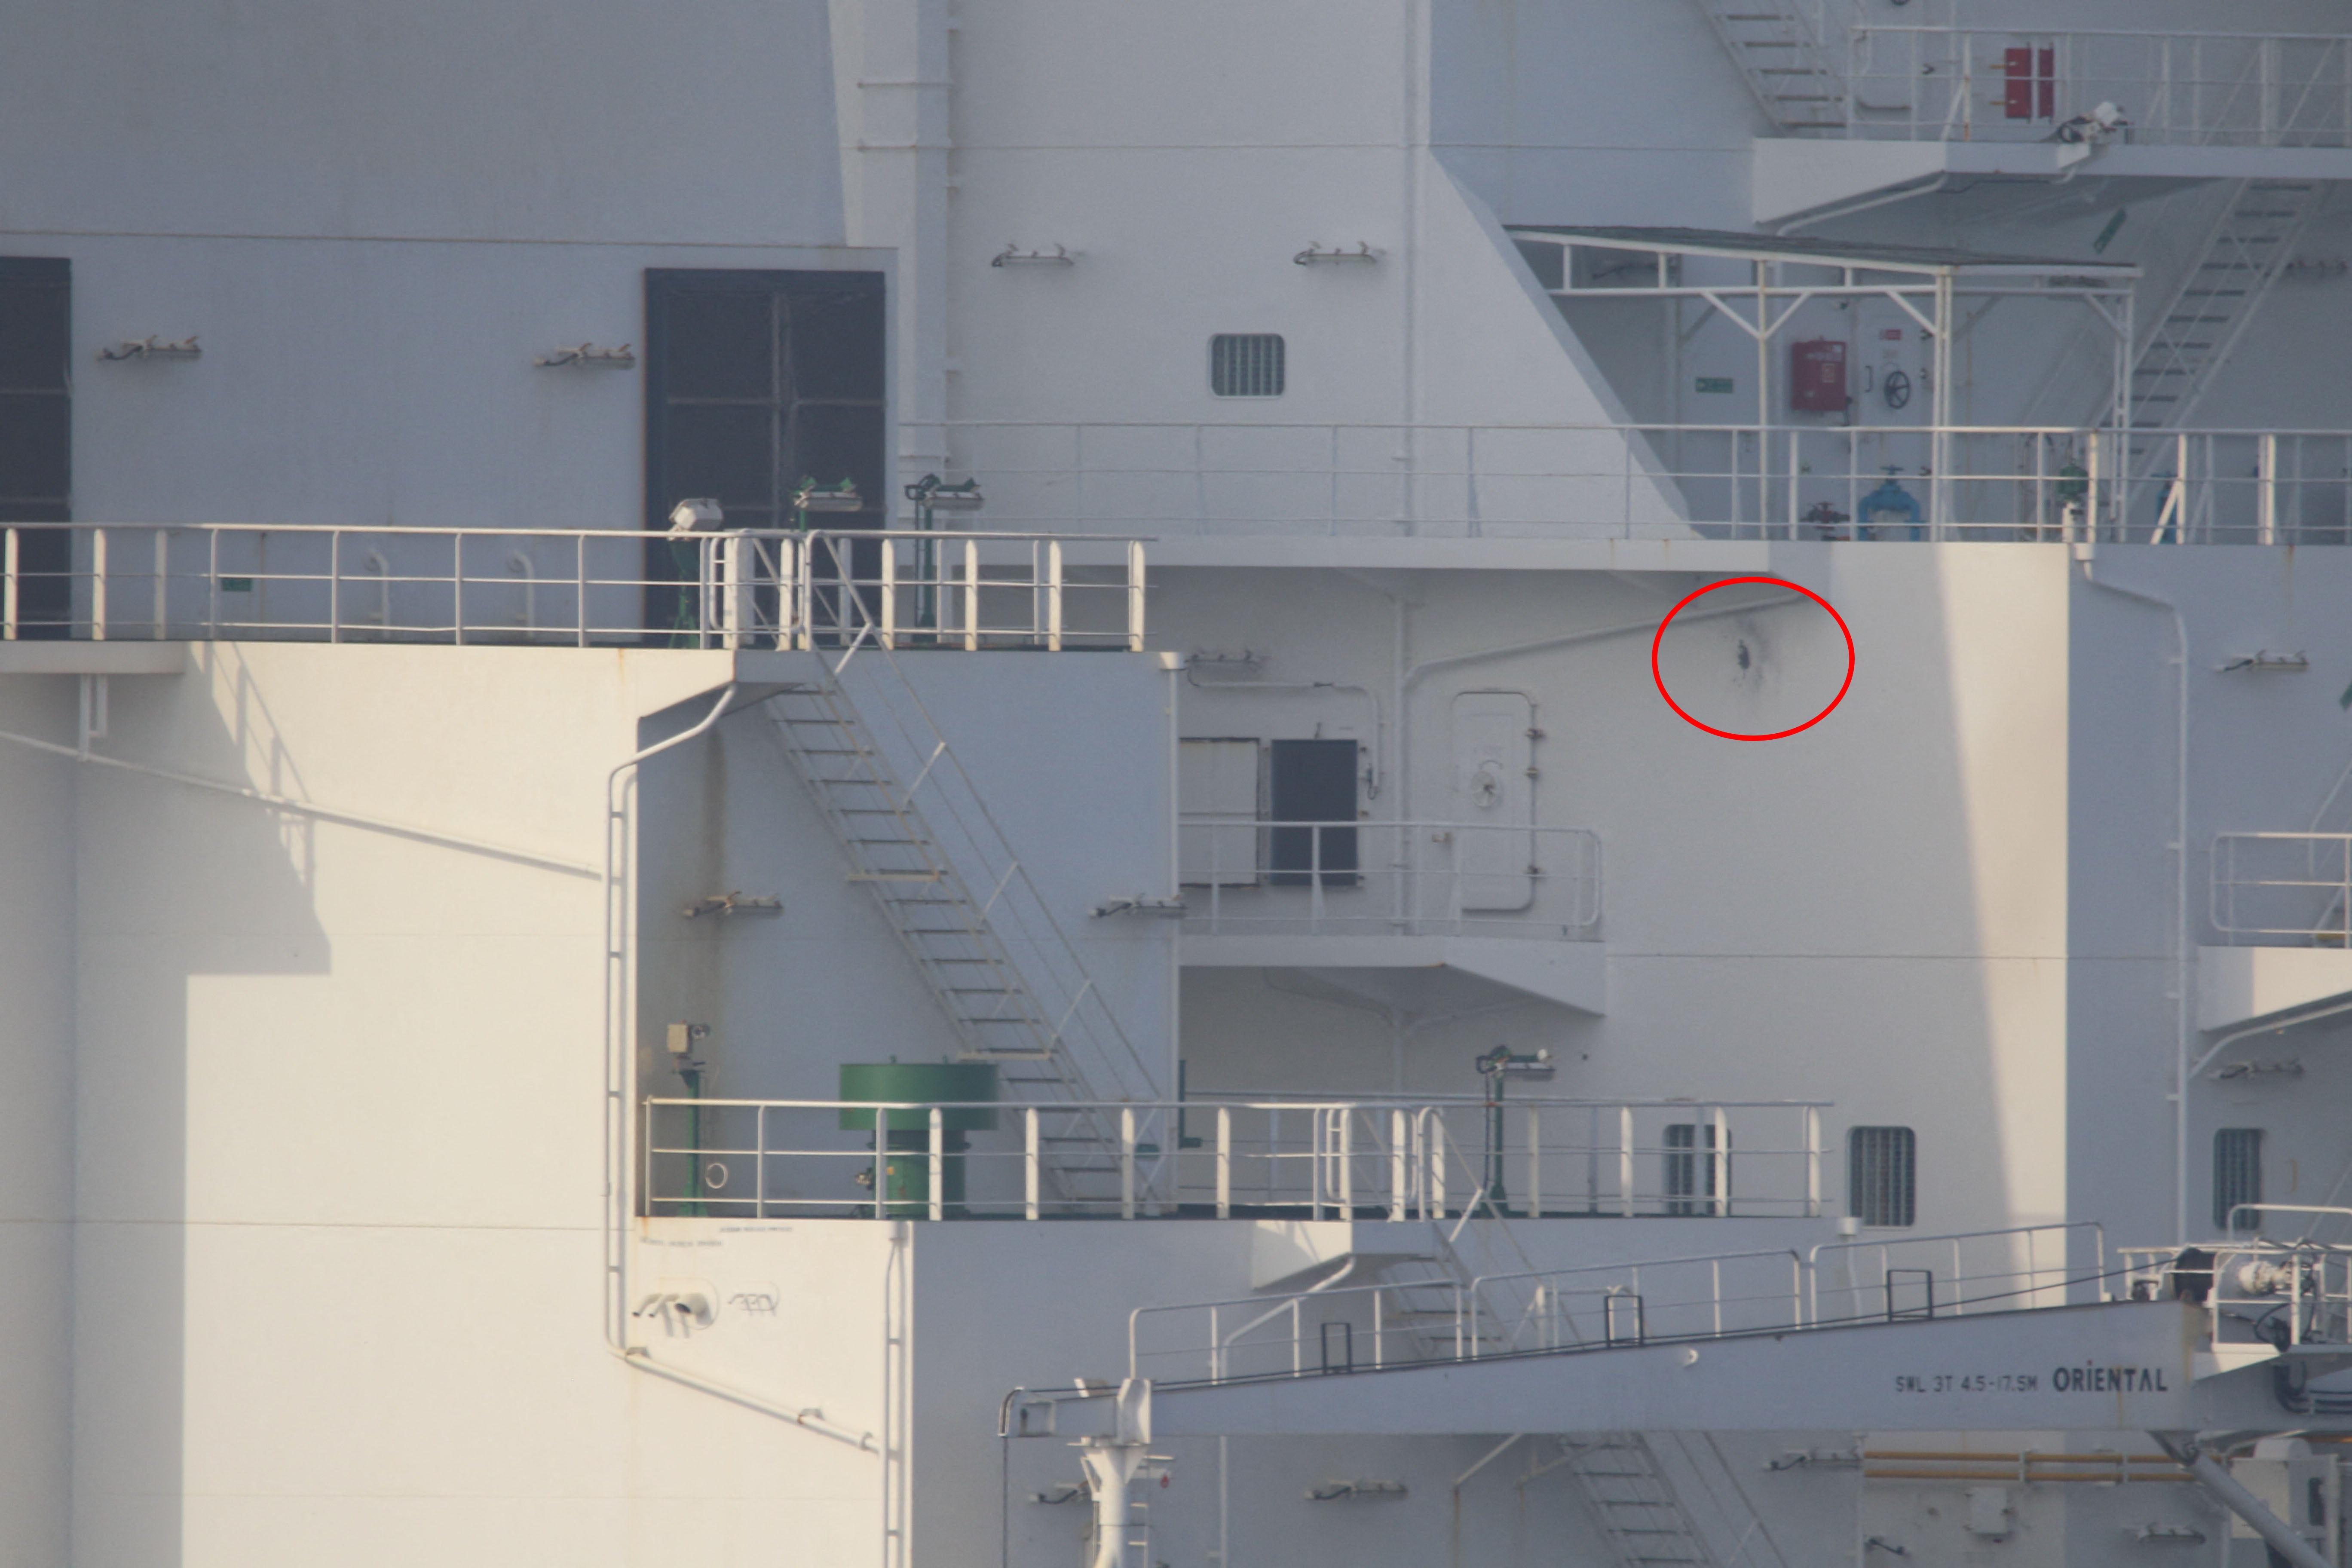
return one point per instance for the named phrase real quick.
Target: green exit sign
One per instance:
(1715, 383)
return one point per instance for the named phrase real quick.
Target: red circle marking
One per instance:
(1735, 734)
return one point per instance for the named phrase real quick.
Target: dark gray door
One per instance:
(1312, 781)
(757, 381)
(37, 436)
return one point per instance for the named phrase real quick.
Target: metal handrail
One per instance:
(1388, 1157)
(1711, 1313)
(1396, 878)
(2311, 907)
(728, 589)
(2197, 88)
(1738, 480)
(1913, 1244)
(2246, 1286)
(1547, 1289)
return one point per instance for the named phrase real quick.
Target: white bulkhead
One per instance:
(1480, 782)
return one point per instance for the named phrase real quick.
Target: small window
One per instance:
(1881, 1175)
(1246, 364)
(1691, 1177)
(2237, 1175)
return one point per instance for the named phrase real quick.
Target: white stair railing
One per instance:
(1779, 49)
(1635, 1505)
(963, 905)
(2224, 283)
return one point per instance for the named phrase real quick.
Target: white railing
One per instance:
(578, 587)
(2252, 1293)
(1367, 1158)
(1742, 480)
(1958, 1273)
(1652, 1302)
(2292, 889)
(2235, 89)
(1396, 879)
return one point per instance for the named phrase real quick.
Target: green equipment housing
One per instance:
(907, 1148)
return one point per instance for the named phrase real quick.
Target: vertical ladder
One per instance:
(1042, 1018)
(2240, 260)
(1635, 1505)
(1780, 55)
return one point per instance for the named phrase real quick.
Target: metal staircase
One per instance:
(1780, 55)
(1634, 1504)
(1008, 979)
(2219, 292)
(1423, 1293)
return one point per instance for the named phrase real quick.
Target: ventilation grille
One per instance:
(1246, 364)
(1881, 1171)
(2237, 1175)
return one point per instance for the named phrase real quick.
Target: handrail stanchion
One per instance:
(938, 1163)
(1534, 1161)
(1812, 1117)
(881, 1161)
(1593, 1160)
(1345, 1149)
(972, 596)
(1719, 1166)
(1316, 1160)
(163, 575)
(8, 558)
(1625, 1160)
(1224, 1162)
(804, 636)
(98, 585)
(1436, 1163)
(1126, 1162)
(1052, 595)
(2266, 495)
(1398, 1167)
(1135, 581)
(1029, 1162)
(2294, 1304)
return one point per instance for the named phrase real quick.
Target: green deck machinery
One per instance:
(905, 1152)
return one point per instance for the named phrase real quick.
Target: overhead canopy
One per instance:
(1922, 281)
(1861, 255)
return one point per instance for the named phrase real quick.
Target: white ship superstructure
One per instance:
(1032, 783)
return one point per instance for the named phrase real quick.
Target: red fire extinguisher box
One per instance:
(1817, 376)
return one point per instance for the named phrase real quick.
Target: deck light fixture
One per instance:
(588, 356)
(1315, 256)
(841, 496)
(150, 347)
(930, 495)
(1013, 256)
